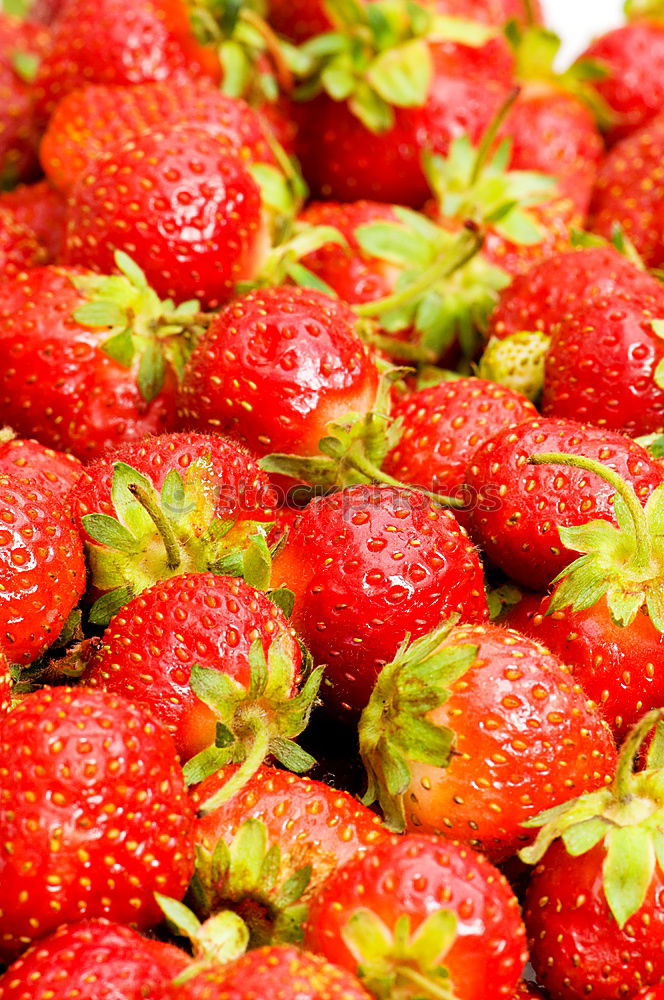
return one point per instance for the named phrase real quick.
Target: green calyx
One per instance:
(145, 333)
(622, 563)
(377, 58)
(395, 729)
(283, 262)
(399, 963)
(517, 361)
(445, 290)
(221, 939)
(155, 536)
(644, 8)
(353, 450)
(627, 818)
(253, 723)
(247, 877)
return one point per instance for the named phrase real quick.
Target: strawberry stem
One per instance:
(428, 986)
(272, 46)
(489, 137)
(362, 464)
(161, 523)
(254, 732)
(644, 550)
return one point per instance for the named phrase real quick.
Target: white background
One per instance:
(577, 21)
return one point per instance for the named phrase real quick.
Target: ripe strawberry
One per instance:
(593, 909)
(273, 972)
(507, 735)
(93, 960)
(416, 912)
(520, 507)
(525, 990)
(369, 566)
(175, 504)
(5, 685)
(443, 427)
(656, 993)
(106, 41)
(22, 44)
(96, 364)
(298, 19)
(118, 824)
(29, 459)
(19, 249)
(295, 364)
(150, 647)
(42, 566)
(188, 210)
(625, 194)
(93, 120)
(41, 209)
(491, 11)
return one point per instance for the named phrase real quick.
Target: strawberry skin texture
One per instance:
(5, 685)
(527, 739)
(95, 119)
(343, 161)
(42, 568)
(42, 209)
(110, 41)
(275, 367)
(525, 990)
(152, 643)
(93, 960)
(274, 972)
(186, 209)
(57, 384)
(29, 459)
(368, 566)
(19, 247)
(417, 875)
(602, 363)
(95, 815)
(19, 130)
(656, 993)
(445, 425)
(576, 946)
(520, 507)
(633, 59)
(619, 668)
(311, 822)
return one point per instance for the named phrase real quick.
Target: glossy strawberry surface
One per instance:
(54, 470)
(42, 209)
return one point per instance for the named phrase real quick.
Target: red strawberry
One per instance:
(416, 910)
(106, 41)
(274, 972)
(29, 459)
(369, 566)
(42, 566)
(298, 19)
(5, 685)
(296, 363)
(525, 990)
(118, 824)
(491, 11)
(176, 504)
(41, 209)
(445, 425)
(188, 211)
(625, 194)
(95, 119)
(507, 735)
(656, 993)
(96, 960)
(22, 44)
(593, 909)
(151, 645)
(520, 507)
(19, 249)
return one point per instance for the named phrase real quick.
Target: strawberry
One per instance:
(491, 11)
(298, 19)
(296, 363)
(366, 557)
(22, 44)
(5, 685)
(416, 916)
(311, 827)
(176, 504)
(188, 210)
(96, 959)
(593, 908)
(43, 571)
(520, 508)
(231, 632)
(118, 824)
(106, 41)
(656, 993)
(19, 249)
(93, 120)
(506, 734)
(443, 427)
(96, 364)
(41, 209)
(399, 92)
(525, 990)
(273, 971)
(625, 194)
(29, 459)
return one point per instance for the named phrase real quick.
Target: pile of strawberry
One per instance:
(331, 502)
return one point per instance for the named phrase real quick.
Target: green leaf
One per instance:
(394, 243)
(109, 532)
(173, 495)
(100, 313)
(305, 278)
(294, 887)
(374, 113)
(433, 939)
(402, 76)
(215, 688)
(151, 371)
(130, 269)
(628, 870)
(257, 563)
(223, 737)
(291, 755)
(204, 764)
(120, 347)
(582, 837)
(25, 65)
(109, 604)
(284, 600)
(366, 936)
(126, 506)
(179, 916)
